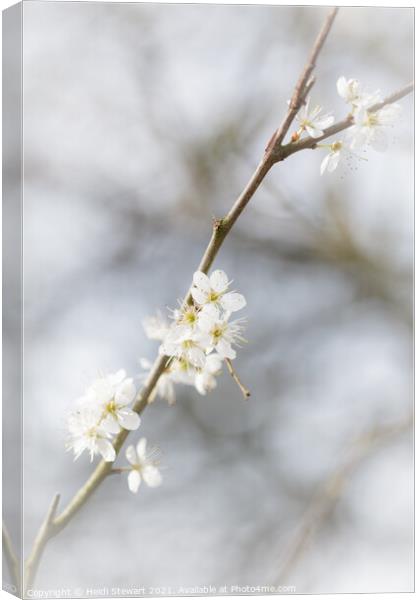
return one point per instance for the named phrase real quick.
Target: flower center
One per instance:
(336, 146)
(372, 120)
(187, 344)
(213, 296)
(111, 407)
(190, 317)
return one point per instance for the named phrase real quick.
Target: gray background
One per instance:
(141, 122)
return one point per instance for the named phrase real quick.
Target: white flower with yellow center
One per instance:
(223, 334)
(144, 466)
(185, 345)
(186, 318)
(87, 434)
(370, 127)
(112, 394)
(337, 151)
(213, 290)
(312, 121)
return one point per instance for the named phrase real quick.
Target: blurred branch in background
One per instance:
(334, 488)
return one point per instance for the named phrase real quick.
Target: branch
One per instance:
(245, 391)
(46, 532)
(287, 150)
(221, 228)
(304, 84)
(12, 560)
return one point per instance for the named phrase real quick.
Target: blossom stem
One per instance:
(245, 391)
(120, 470)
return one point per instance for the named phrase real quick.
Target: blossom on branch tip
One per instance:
(369, 127)
(144, 466)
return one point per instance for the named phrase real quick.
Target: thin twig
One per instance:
(45, 533)
(12, 560)
(245, 391)
(304, 84)
(324, 502)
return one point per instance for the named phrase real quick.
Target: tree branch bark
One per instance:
(12, 560)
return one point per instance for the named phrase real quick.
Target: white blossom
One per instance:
(86, 434)
(349, 90)
(205, 379)
(112, 394)
(199, 337)
(337, 151)
(190, 346)
(312, 121)
(370, 127)
(144, 466)
(156, 327)
(223, 334)
(352, 93)
(214, 290)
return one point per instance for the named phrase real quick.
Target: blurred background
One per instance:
(141, 123)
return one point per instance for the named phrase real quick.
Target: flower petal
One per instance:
(232, 301)
(313, 132)
(342, 87)
(151, 476)
(128, 419)
(206, 321)
(125, 393)
(219, 281)
(225, 349)
(201, 281)
(324, 163)
(131, 455)
(199, 296)
(324, 122)
(106, 449)
(333, 162)
(196, 356)
(110, 424)
(141, 448)
(134, 481)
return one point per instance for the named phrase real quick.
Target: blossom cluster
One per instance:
(101, 413)
(199, 337)
(368, 128)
